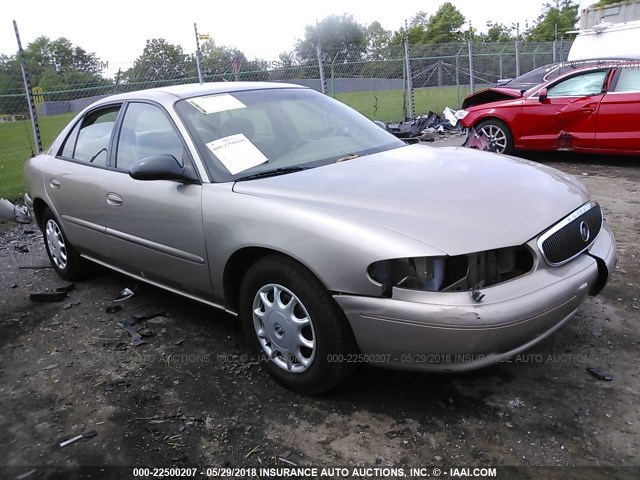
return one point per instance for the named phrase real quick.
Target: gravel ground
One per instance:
(189, 396)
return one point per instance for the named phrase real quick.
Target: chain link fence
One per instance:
(389, 84)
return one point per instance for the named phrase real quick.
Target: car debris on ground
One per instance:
(13, 213)
(431, 127)
(82, 436)
(423, 127)
(124, 294)
(600, 374)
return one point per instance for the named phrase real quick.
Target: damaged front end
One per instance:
(458, 273)
(490, 95)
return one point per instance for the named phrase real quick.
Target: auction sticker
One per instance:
(216, 103)
(237, 153)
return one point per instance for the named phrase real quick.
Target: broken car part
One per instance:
(13, 213)
(124, 294)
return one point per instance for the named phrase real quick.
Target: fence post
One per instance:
(517, 58)
(29, 93)
(470, 49)
(323, 82)
(458, 79)
(198, 63)
(407, 61)
(554, 51)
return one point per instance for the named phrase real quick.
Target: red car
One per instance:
(594, 110)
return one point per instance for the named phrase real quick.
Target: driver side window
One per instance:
(146, 131)
(590, 83)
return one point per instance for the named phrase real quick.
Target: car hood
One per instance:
(457, 200)
(490, 95)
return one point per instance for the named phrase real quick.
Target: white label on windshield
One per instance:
(216, 103)
(237, 153)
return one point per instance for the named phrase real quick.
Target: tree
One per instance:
(341, 37)
(555, 20)
(58, 64)
(160, 60)
(497, 32)
(445, 25)
(219, 60)
(378, 41)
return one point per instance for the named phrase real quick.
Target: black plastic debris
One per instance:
(48, 296)
(477, 295)
(21, 248)
(600, 374)
(415, 127)
(124, 294)
(147, 316)
(136, 337)
(113, 308)
(69, 287)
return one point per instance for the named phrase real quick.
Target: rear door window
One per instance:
(628, 81)
(89, 140)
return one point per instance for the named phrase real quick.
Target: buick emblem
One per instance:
(584, 231)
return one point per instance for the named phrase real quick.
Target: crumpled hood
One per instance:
(490, 95)
(455, 199)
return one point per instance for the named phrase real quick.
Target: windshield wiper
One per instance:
(271, 173)
(350, 156)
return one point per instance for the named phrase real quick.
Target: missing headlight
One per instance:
(452, 274)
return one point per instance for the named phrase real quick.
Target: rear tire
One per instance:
(63, 256)
(499, 135)
(294, 325)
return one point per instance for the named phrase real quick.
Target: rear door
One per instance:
(154, 226)
(619, 114)
(567, 118)
(73, 180)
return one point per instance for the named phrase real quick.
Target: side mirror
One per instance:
(162, 167)
(543, 95)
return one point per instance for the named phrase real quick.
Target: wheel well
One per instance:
(237, 266)
(39, 207)
(484, 119)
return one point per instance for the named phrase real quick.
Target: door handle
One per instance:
(54, 183)
(114, 199)
(588, 109)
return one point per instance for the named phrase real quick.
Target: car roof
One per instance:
(178, 92)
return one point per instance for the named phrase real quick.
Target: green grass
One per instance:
(16, 146)
(16, 138)
(386, 105)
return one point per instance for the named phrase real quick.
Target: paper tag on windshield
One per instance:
(216, 103)
(236, 153)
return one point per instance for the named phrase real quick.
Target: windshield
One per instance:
(241, 134)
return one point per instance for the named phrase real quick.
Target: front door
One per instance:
(155, 226)
(567, 118)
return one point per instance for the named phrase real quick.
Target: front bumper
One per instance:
(436, 331)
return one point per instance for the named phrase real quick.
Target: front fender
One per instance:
(335, 248)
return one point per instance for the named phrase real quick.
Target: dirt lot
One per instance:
(189, 396)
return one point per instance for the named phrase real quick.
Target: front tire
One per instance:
(63, 256)
(290, 320)
(499, 135)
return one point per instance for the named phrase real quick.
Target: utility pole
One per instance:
(29, 92)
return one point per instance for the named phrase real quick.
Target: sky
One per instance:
(117, 30)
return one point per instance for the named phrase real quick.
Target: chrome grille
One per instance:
(572, 235)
